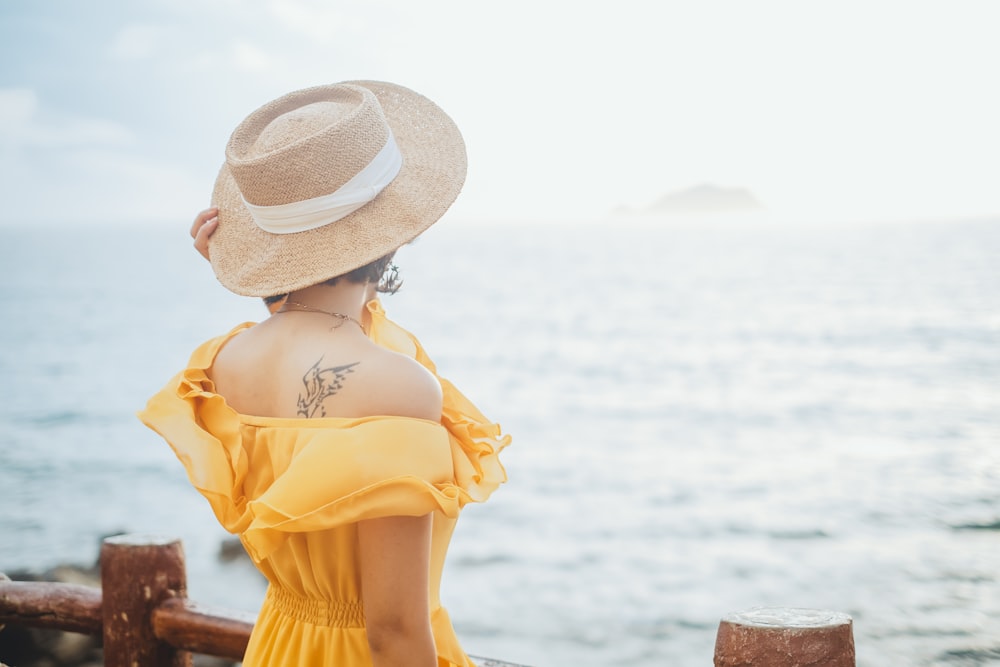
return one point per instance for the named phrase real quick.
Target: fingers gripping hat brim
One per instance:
(252, 262)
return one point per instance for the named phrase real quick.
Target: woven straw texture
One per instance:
(307, 144)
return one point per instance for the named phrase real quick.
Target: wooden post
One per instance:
(138, 572)
(780, 637)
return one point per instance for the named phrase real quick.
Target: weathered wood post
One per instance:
(781, 637)
(138, 572)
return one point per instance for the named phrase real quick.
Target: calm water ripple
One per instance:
(706, 418)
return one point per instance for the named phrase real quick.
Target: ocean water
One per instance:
(707, 417)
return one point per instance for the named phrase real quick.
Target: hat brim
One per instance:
(251, 262)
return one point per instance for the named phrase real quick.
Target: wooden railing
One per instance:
(145, 619)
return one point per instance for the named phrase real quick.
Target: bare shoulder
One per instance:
(270, 371)
(404, 387)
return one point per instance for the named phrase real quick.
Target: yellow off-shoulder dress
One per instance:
(293, 490)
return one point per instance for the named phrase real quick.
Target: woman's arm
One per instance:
(395, 562)
(395, 551)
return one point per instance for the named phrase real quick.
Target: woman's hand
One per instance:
(203, 227)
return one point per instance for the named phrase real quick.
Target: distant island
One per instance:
(704, 198)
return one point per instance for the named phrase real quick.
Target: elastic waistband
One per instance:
(316, 611)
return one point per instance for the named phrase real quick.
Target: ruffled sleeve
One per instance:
(316, 474)
(476, 442)
(202, 431)
(307, 474)
(336, 471)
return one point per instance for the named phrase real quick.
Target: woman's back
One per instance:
(295, 365)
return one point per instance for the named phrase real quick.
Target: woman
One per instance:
(322, 435)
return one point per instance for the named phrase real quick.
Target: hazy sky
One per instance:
(880, 108)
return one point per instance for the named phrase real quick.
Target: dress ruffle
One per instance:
(341, 470)
(476, 440)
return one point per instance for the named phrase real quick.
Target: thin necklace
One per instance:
(312, 309)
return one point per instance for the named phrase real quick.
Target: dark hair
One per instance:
(382, 272)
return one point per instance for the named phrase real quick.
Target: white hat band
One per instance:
(301, 216)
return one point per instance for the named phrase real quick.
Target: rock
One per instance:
(231, 549)
(706, 199)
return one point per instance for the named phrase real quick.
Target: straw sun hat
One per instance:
(313, 185)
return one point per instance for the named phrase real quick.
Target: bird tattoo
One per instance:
(321, 383)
